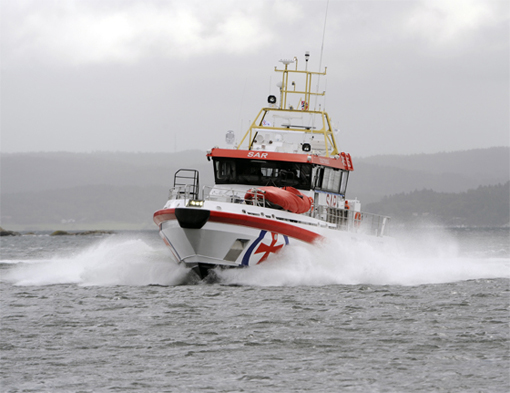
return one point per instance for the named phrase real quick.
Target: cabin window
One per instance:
(331, 180)
(319, 174)
(262, 173)
(325, 179)
(343, 184)
(336, 180)
(224, 170)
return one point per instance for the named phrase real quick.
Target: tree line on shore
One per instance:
(483, 206)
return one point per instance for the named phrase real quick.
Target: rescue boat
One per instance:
(284, 183)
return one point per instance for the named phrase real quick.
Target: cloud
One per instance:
(79, 32)
(396, 70)
(446, 24)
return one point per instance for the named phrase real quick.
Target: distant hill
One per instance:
(494, 162)
(113, 190)
(377, 176)
(484, 206)
(84, 207)
(22, 172)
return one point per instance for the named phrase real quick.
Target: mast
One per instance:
(269, 118)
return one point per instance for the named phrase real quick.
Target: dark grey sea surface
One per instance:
(429, 313)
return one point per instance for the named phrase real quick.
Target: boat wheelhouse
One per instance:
(285, 182)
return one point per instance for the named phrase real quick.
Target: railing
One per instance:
(341, 219)
(187, 178)
(258, 198)
(185, 191)
(220, 194)
(353, 221)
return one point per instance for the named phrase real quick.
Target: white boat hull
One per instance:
(228, 239)
(233, 235)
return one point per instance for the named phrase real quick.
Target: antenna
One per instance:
(323, 35)
(322, 51)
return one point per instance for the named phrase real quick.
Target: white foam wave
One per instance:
(110, 262)
(422, 258)
(16, 261)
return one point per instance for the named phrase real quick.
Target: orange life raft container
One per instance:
(287, 198)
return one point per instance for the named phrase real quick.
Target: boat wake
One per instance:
(422, 258)
(109, 262)
(411, 260)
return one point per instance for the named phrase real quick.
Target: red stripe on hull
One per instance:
(248, 221)
(164, 215)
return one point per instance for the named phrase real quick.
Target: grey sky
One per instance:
(403, 77)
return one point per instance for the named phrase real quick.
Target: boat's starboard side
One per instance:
(226, 238)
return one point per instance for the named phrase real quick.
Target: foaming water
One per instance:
(420, 257)
(106, 329)
(109, 262)
(412, 259)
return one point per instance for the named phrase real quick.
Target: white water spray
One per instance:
(109, 262)
(422, 258)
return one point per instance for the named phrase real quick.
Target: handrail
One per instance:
(259, 197)
(183, 191)
(354, 221)
(340, 219)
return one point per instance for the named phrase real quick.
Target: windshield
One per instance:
(262, 173)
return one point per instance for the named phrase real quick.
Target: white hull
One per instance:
(233, 235)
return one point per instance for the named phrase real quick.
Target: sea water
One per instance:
(427, 313)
